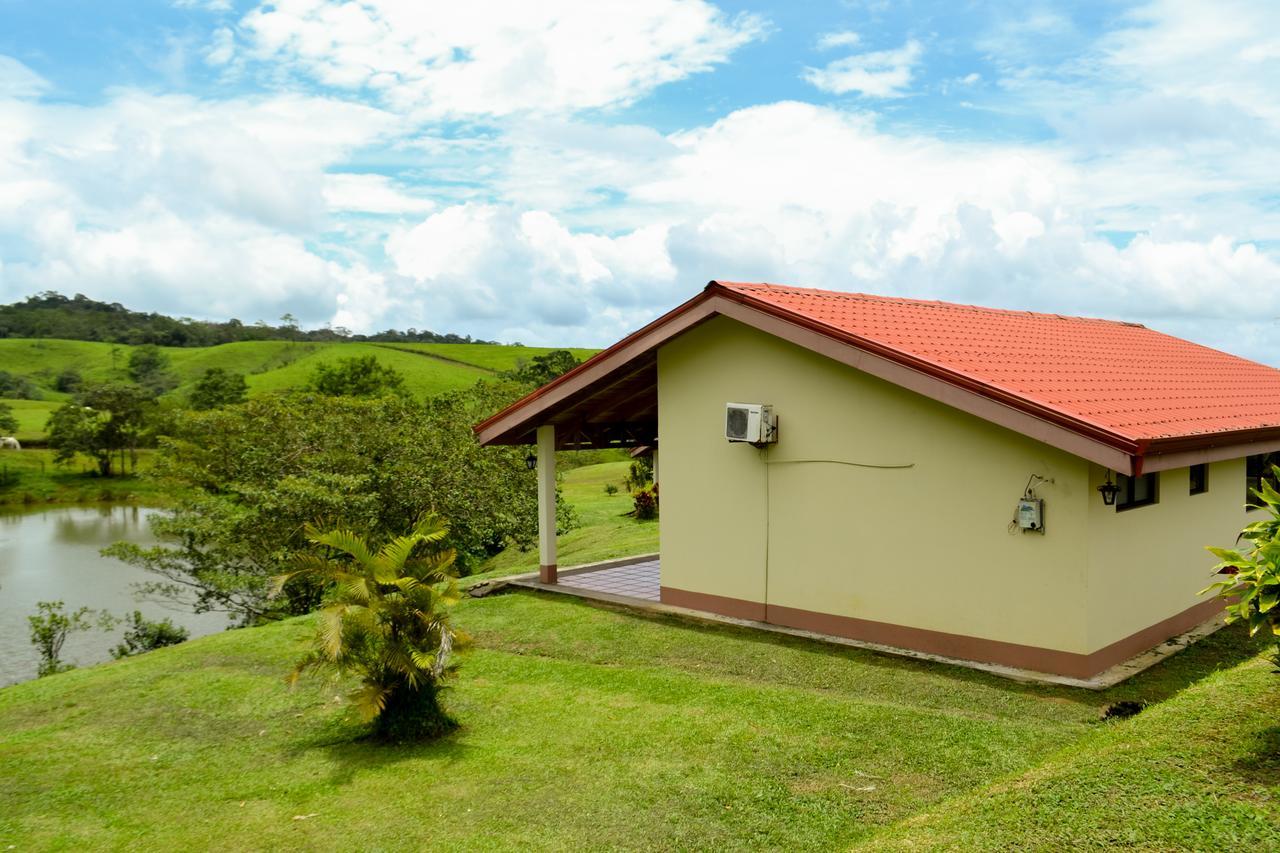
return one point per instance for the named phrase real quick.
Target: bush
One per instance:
(610, 489)
(144, 635)
(363, 376)
(50, 628)
(646, 503)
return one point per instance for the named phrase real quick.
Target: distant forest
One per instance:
(79, 318)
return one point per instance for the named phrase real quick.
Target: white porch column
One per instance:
(547, 503)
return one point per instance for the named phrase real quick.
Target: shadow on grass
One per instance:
(1223, 649)
(1262, 767)
(352, 748)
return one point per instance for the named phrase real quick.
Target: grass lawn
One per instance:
(32, 416)
(604, 531)
(29, 477)
(590, 728)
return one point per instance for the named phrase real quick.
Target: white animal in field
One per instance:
(8, 442)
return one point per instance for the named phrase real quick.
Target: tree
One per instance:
(145, 635)
(362, 376)
(218, 387)
(101, 421)
(543, 368)
(17, 387)
(250, 477)
(50, 628)
(148, 366)
(8, 420)
(386, 620)
(1251, 588)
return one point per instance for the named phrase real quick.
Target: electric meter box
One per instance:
(1031, 514)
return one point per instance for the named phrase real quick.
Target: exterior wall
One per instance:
(926, 547)
(1146, 564)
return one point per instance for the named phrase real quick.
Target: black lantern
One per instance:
(1109, 490)
(531, 462)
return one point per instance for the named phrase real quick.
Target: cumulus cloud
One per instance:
(496, 59)
(878, 74)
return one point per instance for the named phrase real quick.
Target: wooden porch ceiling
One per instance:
(620, 411)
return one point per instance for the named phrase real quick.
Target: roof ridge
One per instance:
(876, 297)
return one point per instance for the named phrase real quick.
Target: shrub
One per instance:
(641, 473)
(646, 503)
(362, 376)
(144, 635)
(50, 628)
(386, 620)
(1251, 587)
(610, 489)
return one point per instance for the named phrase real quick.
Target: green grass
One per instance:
(268, 365)
(32, 416)
(604, 531)
(586, 728)
(29, 477)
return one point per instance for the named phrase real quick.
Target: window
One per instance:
(1199, 479)
(1256, 469)
(1136, 491)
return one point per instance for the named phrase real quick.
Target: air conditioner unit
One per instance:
(750, 422)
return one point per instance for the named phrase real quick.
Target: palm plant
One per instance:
(387, 621)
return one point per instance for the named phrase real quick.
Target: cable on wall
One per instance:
(835, 462)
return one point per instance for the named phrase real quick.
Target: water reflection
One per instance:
(52, 554)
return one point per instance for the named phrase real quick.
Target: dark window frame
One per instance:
(1199, 485)
(1125, 499)
(1256, 469)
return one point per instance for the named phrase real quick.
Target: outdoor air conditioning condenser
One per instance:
(753, 423)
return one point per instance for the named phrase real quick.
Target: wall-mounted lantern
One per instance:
(531, 462)
(1109, 490)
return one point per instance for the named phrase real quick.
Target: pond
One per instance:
(52, 554)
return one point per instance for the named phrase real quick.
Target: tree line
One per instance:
(79, 318)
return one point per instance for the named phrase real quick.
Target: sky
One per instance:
(563, 172)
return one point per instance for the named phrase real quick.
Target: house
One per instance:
(1019, 489)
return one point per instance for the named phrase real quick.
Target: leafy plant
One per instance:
(640, 473)
(50, 628)
(145, 635)
(102, 420)
(1251, 587)
(543, 368)
(386, 620)
(610, 489)
(645, 502)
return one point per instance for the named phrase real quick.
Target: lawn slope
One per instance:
(583, 728)
(1199, 772)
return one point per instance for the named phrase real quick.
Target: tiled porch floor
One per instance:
(638, 580)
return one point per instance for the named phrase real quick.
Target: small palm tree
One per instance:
(386, 620)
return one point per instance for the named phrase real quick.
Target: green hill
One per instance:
(268, 365)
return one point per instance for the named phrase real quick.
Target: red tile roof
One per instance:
(1126, 379)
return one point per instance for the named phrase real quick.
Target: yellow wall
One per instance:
(927, 546)
(1148, 563)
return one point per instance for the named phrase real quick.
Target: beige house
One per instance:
(1028, 490)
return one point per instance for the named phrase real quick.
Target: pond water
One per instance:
(52, 554)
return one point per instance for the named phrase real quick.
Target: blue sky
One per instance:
(561, 172)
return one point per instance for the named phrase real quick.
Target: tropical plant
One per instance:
(645, 503)
(1251, 586)
(386, 620)
(145, 635)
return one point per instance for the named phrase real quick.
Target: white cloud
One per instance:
(843, 38)
(879, 74)
(369, 193)
(458, 59)
(19, 81)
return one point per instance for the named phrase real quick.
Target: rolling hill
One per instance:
(267, 365)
